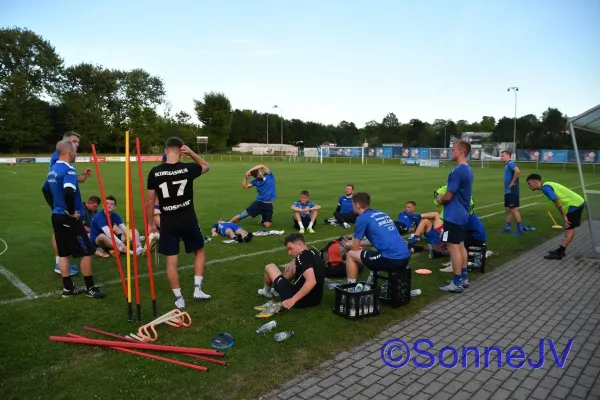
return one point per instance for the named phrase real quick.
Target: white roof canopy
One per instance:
(588, 121)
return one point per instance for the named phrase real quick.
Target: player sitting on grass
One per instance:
(100, 232)
(307, 273)
(344, 213)
(430, 228)
(232, 231)
(264, 182)
(305, 212)
(408, 220)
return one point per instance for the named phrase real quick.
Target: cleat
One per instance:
(311, 230)
(199, 294)
(179, 302)
(301, 230)
(519, 233)
(447, 269)
(95, 293)
(70, 293)
(73, 271)
(554, 256)
(452, 288)
(465, 283)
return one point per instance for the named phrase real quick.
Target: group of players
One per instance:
(170, 190)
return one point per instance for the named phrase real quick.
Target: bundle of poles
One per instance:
(130, 234)
(128, 345)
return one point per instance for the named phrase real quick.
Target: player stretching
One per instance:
(457, 206)
(264, 181)
(173, 183)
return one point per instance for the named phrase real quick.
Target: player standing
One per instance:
(61, 191)
(173, 183)
(511, 193)
(457, 207)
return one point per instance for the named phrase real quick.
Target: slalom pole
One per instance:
(109, 222)
(127, 234)
(135, 259)
(148, 251)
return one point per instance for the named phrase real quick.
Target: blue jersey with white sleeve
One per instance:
(100, 222)
(381, 231)
(460, 183)
(265, 187)
(408, 219)
(222, 227)
(54, 158)
(61, 176)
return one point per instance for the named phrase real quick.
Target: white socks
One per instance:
(310, 225)
(57, 258)
(300, 224)
(198, 293)
(351, 280)
(179, 301)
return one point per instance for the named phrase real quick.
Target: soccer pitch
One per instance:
(34, 367)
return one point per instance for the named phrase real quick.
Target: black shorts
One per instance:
(265, 210)
(190, 234)
(511, 200)
(574, 218)
(71, 238)
(305, 221)
(376, 262)
(453, 233)
(286, 291)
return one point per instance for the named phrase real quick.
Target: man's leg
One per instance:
(454, 236)
(266, 214)
(199, 264)
(193, 239)
(168, 246)
(271, 273)
(298, 221)
(574, 222)
(230, 233)
(353, 262)
(517, 217)
(73, 267)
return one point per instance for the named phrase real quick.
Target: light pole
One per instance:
(515, 89)
(267, 129)
(281, 120)
(445, 143)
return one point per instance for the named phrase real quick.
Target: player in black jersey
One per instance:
(173, 183)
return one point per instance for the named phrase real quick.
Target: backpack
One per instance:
(334, 257)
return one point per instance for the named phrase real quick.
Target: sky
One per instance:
(334, 60)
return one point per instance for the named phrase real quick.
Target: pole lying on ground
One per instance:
(144, 346)
(148, 250)
(112, 234)
(204, 358)
(152, 356)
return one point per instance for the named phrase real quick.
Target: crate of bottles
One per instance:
(356, 300)
(395, 287)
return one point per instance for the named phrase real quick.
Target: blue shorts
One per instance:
(265, 210)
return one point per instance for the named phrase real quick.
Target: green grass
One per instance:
(33, 367)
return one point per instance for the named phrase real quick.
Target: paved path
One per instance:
(517, 305)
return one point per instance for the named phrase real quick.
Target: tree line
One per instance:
(41, 98)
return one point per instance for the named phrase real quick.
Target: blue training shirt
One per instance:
(509, 173)
(309, 204)
(408, 219)
(100, 222)
(381, 231)
(475, 228)
(265, 188)
(61, 176)
(345, 204)
(460, 182)
(222, 227)
(54, 158)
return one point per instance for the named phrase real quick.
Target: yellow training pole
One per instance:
(127, 183)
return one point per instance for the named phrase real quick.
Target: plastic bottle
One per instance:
(370, 279)
(358, 288)
(334, 285)
(267, 327)
(371, 303)
(343, 304)
(415, 292)
(352, 307)
(281, 336)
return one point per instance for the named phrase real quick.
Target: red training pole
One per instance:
(152, 356)
(128, 339)
(143, 346)
(148, 251)
(135, 260)
(109, 222)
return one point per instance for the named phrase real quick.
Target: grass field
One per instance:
(33, 367)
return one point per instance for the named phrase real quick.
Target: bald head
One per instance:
(67, 150)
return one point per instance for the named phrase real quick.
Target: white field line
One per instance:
(257, 253)
(12, 278)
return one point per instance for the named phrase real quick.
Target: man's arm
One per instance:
(48, 194)
(295, 208)
(517, 173)
(259, 166)
(84, 175)
(186, 151)
(314, 207)
(151, 194)
(245, 183)
(309, 283)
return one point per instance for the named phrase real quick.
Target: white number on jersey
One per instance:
(165, 189)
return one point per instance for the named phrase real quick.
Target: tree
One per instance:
(215, 113)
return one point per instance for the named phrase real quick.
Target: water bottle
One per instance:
(352, 307)
(361, 306)
(371, 303)
(343, 304)
(281, 336)
(334, 285)
(267, 327)
(370, 279)
(415, 292)
(358, 288)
